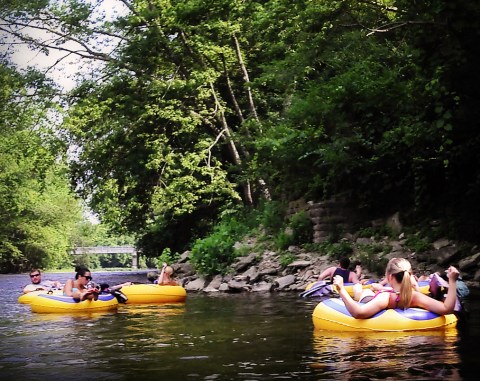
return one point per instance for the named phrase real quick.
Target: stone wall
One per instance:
(329, 218)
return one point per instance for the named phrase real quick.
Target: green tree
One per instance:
(37, 207)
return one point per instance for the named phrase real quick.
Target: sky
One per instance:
(64, 72)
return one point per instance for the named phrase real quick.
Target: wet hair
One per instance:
(344, 263)
(81, 270)
(401, 269)
(35, 270)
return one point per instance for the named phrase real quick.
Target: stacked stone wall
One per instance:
(329, 218)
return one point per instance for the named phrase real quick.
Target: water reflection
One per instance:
(428, 355)
(222, 337)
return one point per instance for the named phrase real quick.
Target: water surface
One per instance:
(218, 337)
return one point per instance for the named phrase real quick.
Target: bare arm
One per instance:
(353, 278)
(160, 277)
(77, 294)
(360, 310)
(67, 289)
(327, 273)
(437, 306)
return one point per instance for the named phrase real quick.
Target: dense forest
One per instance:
(204, 118)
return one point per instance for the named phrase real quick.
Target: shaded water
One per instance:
(220, 337)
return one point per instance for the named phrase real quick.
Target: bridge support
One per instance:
(134, 260)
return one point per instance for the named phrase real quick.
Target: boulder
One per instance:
(196, 285)
(283, 282)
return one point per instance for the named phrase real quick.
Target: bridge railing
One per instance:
(108, 250)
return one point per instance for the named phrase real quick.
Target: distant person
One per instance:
(77, 288)
(341, 270)
(39, 285)
(165, 277)
(152, 277)
(359, 271)
(401, 295)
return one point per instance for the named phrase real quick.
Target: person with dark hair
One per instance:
(401, 295)
(78, 288)
(39, 285)
(341, 270)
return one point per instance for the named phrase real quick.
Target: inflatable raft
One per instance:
(47, 303)
(322, 288)
(28, 297)
(153, 293)
(331, 314)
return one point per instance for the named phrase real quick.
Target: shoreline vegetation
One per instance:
(201, 123)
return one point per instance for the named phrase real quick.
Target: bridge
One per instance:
(108, 250)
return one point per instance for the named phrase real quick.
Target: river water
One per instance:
(218, 337)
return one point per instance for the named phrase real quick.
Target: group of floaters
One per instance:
(401, 303)
(83, 295)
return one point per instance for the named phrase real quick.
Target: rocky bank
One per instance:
(263, 271)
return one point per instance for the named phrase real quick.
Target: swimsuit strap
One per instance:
(397, 299)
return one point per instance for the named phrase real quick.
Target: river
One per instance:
(218, 337)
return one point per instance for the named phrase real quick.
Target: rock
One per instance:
(299, 264)
(186, 269)
(262, 287)
(239, 285)
(469, 263)
(438, 244)
(216, 282)
(210, 289)
(224, 287)
(184, 257)
(252, 275)
(363, 241)
(196, 285)
(281, 283)
(243, 262)
(447, 255)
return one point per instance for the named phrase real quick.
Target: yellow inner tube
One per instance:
(153, 293)
(331, 314)
(28, 297)
(45, 303)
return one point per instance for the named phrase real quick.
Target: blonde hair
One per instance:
(401, 270)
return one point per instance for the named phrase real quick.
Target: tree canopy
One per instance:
(206, 107)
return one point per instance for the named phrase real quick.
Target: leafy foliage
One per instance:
(37, 208)
(214, 253)
(203, 107)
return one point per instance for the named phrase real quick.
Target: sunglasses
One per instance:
(34, 275)
(87, 277)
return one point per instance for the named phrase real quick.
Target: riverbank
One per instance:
(266, 271)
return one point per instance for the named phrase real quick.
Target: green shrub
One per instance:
(340, 249)
(373, 261)
(301, 227)
(214, 254)
(166, 257)
(417, 244)
(283, 240)
(271, 216)
(375, 232)
(286, 258)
